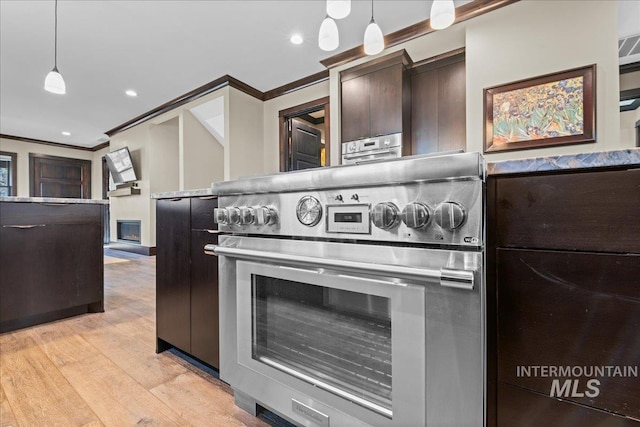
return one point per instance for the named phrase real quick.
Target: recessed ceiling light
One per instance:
(65, 133)
(296, 39)
(131, 92)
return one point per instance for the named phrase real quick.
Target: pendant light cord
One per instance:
(55, 38)
(371, 9)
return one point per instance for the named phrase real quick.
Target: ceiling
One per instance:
(163, 49)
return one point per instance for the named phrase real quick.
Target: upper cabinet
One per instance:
(376, 98)
(426, 101)
(438, 105)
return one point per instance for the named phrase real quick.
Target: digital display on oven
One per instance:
(347, 217)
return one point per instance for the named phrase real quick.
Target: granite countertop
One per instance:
(600, 159)
(56, 200)
(184, 193)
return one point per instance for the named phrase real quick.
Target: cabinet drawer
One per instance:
(202, 213)
(594, 211)
(570, 309)
(13, 213)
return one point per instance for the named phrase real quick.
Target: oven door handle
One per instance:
(461, 279)
(368, 153)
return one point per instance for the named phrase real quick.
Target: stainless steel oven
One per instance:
(355, 295)
(372, 149)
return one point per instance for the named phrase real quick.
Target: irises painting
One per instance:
(554, 109)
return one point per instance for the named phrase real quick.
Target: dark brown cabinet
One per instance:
(51, 262)
(376, 98)
(438, 106)
(563, 266)
(187, 280)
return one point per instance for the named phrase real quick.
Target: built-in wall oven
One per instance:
(354, 295)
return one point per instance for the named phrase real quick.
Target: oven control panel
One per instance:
(443, 213)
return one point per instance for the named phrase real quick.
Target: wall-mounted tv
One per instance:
(120, 165)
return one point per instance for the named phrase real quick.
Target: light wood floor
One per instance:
(102, 369)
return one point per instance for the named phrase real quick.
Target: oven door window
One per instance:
(332, 337)
(360, 338)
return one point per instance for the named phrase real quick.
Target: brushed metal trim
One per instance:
(413, 169)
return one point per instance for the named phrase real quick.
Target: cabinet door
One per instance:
(202, 212)
(204, 299)
(569, 309)
(173, 290)
(49, 267)
(355, 109)
(438, 107)
(385, 100)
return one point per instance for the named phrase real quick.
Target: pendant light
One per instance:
(373, 38)
(328, 38)
(443, 13)
(338, 9)
(54, 82)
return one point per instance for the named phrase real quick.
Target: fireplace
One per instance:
(128, 231)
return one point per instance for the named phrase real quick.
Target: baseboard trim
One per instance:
(136, 249)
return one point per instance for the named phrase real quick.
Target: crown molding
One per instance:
(55, 144)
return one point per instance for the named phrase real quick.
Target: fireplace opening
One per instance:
(128, 231)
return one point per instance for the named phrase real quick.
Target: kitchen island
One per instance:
(563, 260)
(51, 259)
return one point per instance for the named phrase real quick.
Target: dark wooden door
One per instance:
(385, 101)
(204, 283)
(173, 289)
(355, 109)
(45, 267)
(53, 176)
(438, 106)
(306, 146)
(559, 308)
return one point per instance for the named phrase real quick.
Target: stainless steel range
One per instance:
(354, 295)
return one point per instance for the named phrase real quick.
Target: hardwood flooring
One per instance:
(101, 369)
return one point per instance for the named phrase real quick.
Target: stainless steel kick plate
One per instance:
(309, 413)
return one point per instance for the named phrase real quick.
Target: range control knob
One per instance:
(221, 216)
(385, 215)
(351, 147)
(265, 215)
(450, 215)
(309, 211)
(247, 216)
(415, 215)
(234, 215)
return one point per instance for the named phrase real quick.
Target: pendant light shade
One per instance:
(443, 13)
(373, 38)
(328, 38)
(54, 82)
(338, 9)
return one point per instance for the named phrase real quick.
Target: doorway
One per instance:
(304, 136)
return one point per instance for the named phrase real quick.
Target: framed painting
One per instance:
(554, 109)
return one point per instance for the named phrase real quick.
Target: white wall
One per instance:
(519, 41)
(203, 155)
(22, 149)
(271, 110)
(245, 136)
